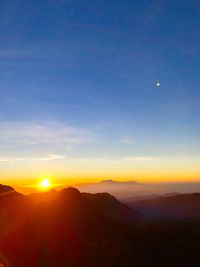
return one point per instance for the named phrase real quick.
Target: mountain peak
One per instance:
(4, 189)
(109, 181)
(71, 190)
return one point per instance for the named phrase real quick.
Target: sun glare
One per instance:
(45, 184)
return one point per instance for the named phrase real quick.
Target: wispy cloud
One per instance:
(4, 159)
(141, 159)
(9, 159)
(127, 140)
(50, 157)
(30, 133)
(35, 141)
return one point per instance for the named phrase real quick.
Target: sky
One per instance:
(99, 89)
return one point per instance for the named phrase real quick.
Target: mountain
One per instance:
(116, 183)
(146, 197)
(112, 208)
(132, 189)
(43, 229)
(181, 206)
(115, 188)
(5, 189)
(69, 228)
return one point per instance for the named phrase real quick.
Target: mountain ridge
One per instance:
(70, 228)
(179, 206)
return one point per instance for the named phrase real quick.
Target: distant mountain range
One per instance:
(132, 189)
(181, 206)
(118, 189)
(108, 183)
(128, 200)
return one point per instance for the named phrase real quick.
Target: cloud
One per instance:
(140, 158)
(9, 159)
(48, 134)
(128, 140)
(4, 159)
(50, 157)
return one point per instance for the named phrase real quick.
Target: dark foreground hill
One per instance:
(67, 228)
(59, 228)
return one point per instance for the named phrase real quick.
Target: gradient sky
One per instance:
(78, 90)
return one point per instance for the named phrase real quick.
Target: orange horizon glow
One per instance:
(77, 172)
(30, 182)
(73, 180)
(155, 177)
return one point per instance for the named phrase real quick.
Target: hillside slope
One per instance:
(182, 206)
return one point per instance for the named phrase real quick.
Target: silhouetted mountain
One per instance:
(182, 206)
(112, 208)
(146, 197)
(6, 189)
(48, 227)
(69, 228)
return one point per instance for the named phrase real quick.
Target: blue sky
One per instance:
(89, 69)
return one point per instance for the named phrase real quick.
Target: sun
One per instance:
(45, 184)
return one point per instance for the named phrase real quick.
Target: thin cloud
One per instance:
(142, 159)
(51, 157)
(14, 134)
(128, 140)
(2, 159)
(9, 159)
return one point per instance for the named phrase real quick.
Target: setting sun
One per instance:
(45, 184)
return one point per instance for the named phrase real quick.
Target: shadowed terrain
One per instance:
(69, 228)
(182, 206)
